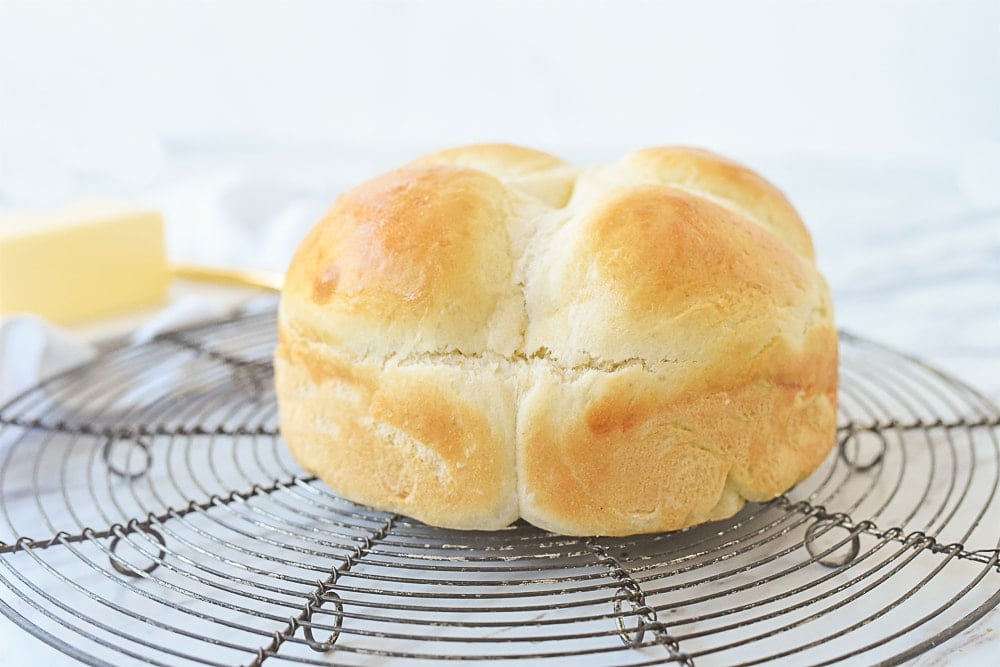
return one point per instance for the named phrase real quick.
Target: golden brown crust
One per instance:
(670, 276)
(503, 161)
(718, 178)
(526, 170)
(421, 249)
(488, 333)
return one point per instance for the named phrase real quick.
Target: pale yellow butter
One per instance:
(81, 261)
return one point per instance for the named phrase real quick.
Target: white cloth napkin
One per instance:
(32, 349)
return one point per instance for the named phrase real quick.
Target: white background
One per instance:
(241, 120)
(877, 81)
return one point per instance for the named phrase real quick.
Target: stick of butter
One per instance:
(82, 261)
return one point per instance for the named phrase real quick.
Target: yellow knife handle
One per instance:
(268, 280)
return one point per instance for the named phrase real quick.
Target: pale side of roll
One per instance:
(490, 333)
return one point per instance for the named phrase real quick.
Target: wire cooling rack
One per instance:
(151, 514)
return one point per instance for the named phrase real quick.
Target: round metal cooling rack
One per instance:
(151, 514)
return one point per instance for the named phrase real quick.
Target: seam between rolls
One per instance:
(524, 264)
(521, 287)
(523, 269)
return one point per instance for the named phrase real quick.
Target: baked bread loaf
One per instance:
(489, 333)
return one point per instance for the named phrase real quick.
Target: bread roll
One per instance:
(489, 333)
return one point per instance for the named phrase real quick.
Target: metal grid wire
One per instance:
(150, 513)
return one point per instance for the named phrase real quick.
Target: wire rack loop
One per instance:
(854, 442)
(316, 605)
(828, 557)
(131, 528)
(135, 443)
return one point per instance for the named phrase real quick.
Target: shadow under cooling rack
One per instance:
(150, 513)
